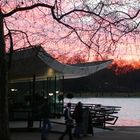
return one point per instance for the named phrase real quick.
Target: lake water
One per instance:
(129, 115)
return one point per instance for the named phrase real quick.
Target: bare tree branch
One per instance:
(28, 8)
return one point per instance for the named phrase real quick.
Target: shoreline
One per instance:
(106, 94)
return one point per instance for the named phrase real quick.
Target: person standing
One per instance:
(45, 114)
(78, 116)
(68, 122)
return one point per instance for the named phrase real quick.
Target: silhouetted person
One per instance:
(45, 114)
(68, 120)
(78, 116)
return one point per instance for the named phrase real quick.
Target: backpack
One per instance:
(66, 114)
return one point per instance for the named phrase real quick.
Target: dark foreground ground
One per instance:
(117, 133)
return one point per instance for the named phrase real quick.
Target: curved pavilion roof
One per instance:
(36, 61)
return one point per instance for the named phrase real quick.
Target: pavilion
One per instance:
(36, 61)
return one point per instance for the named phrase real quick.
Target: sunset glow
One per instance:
(90, 30)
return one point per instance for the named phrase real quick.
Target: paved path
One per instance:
(118, 133)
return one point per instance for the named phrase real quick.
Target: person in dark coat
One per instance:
(68, 122)
(45, 115)
(78, 116)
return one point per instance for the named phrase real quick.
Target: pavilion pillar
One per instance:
(31, 114)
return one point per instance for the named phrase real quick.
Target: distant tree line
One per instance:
(105, 81)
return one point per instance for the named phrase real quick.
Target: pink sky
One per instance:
(46, 31)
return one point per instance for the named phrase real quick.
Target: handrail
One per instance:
(101, 114)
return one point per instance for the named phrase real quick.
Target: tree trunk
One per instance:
(4, 122)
